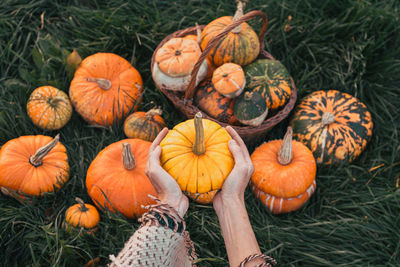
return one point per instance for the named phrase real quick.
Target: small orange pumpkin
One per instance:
(82, 215)
(196, 154)
(49, 108)
(240, 46)
(105, 88)
(174, 63)
(144, 125)
(284, 174)
(33, 165)
(116, 178)
(229, 80)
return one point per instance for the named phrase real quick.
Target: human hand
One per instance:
(236, 182)
(166, 187)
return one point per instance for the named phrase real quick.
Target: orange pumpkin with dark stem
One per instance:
(196, 154)
(144, 125)
(32, 166)
(229, 80)
(334, 125)
(49, 108)
(284, 174)
(174, 62)
(105, 88)
(116, 178)
(82, 215)
(240, 46)
(214, 104)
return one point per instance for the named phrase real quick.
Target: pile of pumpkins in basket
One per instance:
(328, 126)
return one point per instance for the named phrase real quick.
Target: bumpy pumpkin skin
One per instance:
(87, 217)
(49, 108)
(103, 105)
(143, 125)
(19, 175)
(214, 104)
(345, 138)
(240, 48)
(270, 79)
(197, 173)
(112, 186)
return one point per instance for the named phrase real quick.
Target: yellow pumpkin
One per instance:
(196, 154)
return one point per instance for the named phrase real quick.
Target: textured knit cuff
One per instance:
(269, 260)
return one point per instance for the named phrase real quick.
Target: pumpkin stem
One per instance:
(36, 160)
(198, 146)
(198, 31)
(327, 118)
(238, 15)
(285, 153)
(83, 206)
(127, 157)
(103, 83)
(55, 100)
(153, 111)
(248, 95)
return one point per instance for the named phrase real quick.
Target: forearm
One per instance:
(238, 234)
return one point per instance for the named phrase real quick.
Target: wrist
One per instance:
(223, 203)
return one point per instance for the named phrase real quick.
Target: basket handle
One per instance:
(246, 17)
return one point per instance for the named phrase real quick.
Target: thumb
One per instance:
(235, 150)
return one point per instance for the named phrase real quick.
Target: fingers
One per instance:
(158, 139)
(235, 136)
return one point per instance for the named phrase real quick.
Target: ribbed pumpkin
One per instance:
(82, 216)
(334, 125)
(116, 178)
(33, 165)
(105, 88)
(196, 154)
(174, 62)
(240, 46)
(270, 79)
(144, 125)
(250, 108)
(228, 79)
(284, 174)
(49, 108)
(214, 104)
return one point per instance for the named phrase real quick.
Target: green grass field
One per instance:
(353, 219)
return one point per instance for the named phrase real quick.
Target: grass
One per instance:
(353, 218)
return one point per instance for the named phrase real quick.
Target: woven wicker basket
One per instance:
(184, 100)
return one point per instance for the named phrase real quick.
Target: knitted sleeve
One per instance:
(161, 240)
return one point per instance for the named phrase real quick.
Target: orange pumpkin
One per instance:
(214, 104)
(174, 63)
(196, 154)
(284, 174)
(240, 46)
(33, 165)
(49, 108)
(144, 125)
(116, 178)
(105, 88)
(82, 215)
(229, 80)
(334, 125)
